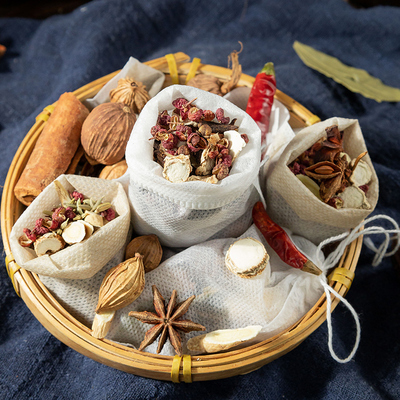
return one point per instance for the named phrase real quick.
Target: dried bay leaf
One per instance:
(355, 79)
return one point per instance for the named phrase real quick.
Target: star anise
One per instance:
(166, 321)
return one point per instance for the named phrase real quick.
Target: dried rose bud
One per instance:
(195, 114)
(76, 195)
(171, 142)
(30, 235)
(213, 154)
(208, 115)
(220, 116)
(109, 214)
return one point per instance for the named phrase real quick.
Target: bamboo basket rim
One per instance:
(74, 334)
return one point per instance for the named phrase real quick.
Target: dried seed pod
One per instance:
(323, 170)
(209, 83)
(149, 247)
(121, 286)
(130, 92)
(222, 339)
(177, 168)
(114, 171)
(49, 243)
(246, 257)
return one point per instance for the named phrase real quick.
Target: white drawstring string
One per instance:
(335, 256)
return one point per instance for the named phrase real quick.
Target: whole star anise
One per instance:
(166, 321)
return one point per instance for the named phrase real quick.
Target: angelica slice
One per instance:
(49, 243)
(247, 257)
(177, 168)
(354, 197)
(222, 339)
(94, 219)
(237, 143)
(362, 174)
(75, 232)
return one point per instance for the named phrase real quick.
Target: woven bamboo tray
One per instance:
(198, 368)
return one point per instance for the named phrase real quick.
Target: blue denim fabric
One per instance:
(63, 53)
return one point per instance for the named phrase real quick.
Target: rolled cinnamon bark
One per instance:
(54, 149)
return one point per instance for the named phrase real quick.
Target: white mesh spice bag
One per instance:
(183, 214)
(292, 204)
(275, 299)
(81, 260)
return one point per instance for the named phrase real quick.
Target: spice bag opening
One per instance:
(197, 203)
(292, 204)
(150, 77)
(81, 260)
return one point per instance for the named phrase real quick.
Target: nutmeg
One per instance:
(106, 131)
(149, 247)
(114, 171)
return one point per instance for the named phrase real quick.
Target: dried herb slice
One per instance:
(355, 79)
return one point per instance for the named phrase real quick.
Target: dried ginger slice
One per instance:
(222, 339)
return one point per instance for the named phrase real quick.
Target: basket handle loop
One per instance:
(173, 70)
(193, 69)
(45, 114)
(11, 270)
(187, 368)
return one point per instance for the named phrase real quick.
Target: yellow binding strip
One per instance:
(313, 120)
(45, 115)
(187, 368)
(176, 364)
(173, 70)
(193, 69)
(343, 276)
(11, 270)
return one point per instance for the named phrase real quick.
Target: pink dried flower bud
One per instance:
(76, 195)
(195, 114)
(180, 103)
(220, 116)
(69, 213)
(171, 142)
(164, 119)
(30, 235)
(208, 115)
(227, 160)
(40, 230)
(109, 214)
(196, 142)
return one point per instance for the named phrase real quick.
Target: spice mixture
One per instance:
(196, 144)
(331, 174)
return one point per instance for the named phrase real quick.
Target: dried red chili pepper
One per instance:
(261, 98)
(280, 242)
